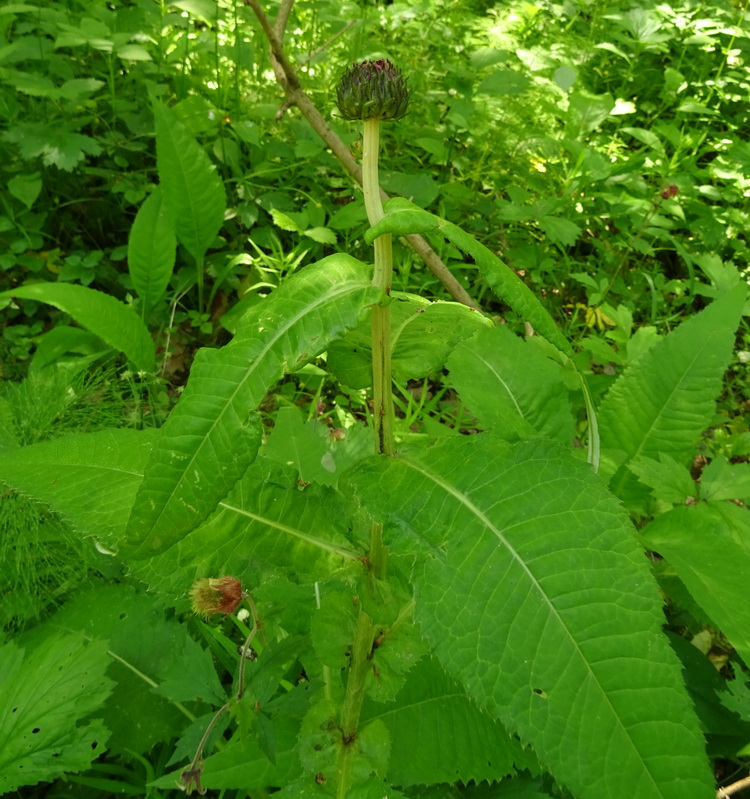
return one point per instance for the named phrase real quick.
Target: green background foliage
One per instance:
(185, 356)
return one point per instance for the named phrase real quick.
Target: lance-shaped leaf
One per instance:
(152, 249)
(521, 392)
(533, 594)
(266, 524)
(90, 479)
(111, 320)
(193, 191)
(403, 217)
(213, 433)
(663, 402)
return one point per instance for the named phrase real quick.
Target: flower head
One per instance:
(372, 90)
(215, 595)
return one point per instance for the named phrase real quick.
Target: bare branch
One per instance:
(723, 793)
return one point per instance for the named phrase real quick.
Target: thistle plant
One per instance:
(373, 91)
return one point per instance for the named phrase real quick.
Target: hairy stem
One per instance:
(355, 694)
(381, 314)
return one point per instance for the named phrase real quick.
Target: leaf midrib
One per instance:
(466, 502)
(257, 362)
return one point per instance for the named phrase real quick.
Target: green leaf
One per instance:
(401, 219)
(203, 9)
(193, 191)
(59, 342)
(565, 76)
(520, 393)
(102, 314)
(285, 222)
(478, 747)
(401, 214)
(317, 453)
(667, 478)
(420, 187)
(664, 401)
(560, 231)
(26, 188)
(535, 596)
(144, 650)
(213, 433)
(423, 334)
(242, 765)
(44, 698)
(89, 478)
(320, 744)
(722, 480)
(133, 52)
(504, 82)
(322, 235)
(56, 145)
(266, 521)
(586, 112)
(709, 546)
(190, 675)
(152, 249)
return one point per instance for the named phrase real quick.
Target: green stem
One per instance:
(199, 280)
(355, 694)
(382, 277)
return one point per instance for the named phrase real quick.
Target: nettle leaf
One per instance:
(90, 479)
(266, 524)
(423, 334)
(145, 650)
(667, 478)
(709, 547)
(560, 231)
(45, 697)
(664, 401)
(152, 249)
(56, 145)
(439, 735)
(521, 393)
(533, 593)
(193, 190)
(213, 434)
(111, 320)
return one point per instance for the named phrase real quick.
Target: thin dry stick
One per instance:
(289, 82)
(722, 793)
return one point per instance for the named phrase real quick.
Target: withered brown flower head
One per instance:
(211, 595)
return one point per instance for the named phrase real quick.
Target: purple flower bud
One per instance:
(372, 90)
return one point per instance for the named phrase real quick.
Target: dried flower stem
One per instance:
(192, 774)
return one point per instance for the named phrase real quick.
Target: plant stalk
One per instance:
(355, 694)
(383, 275)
